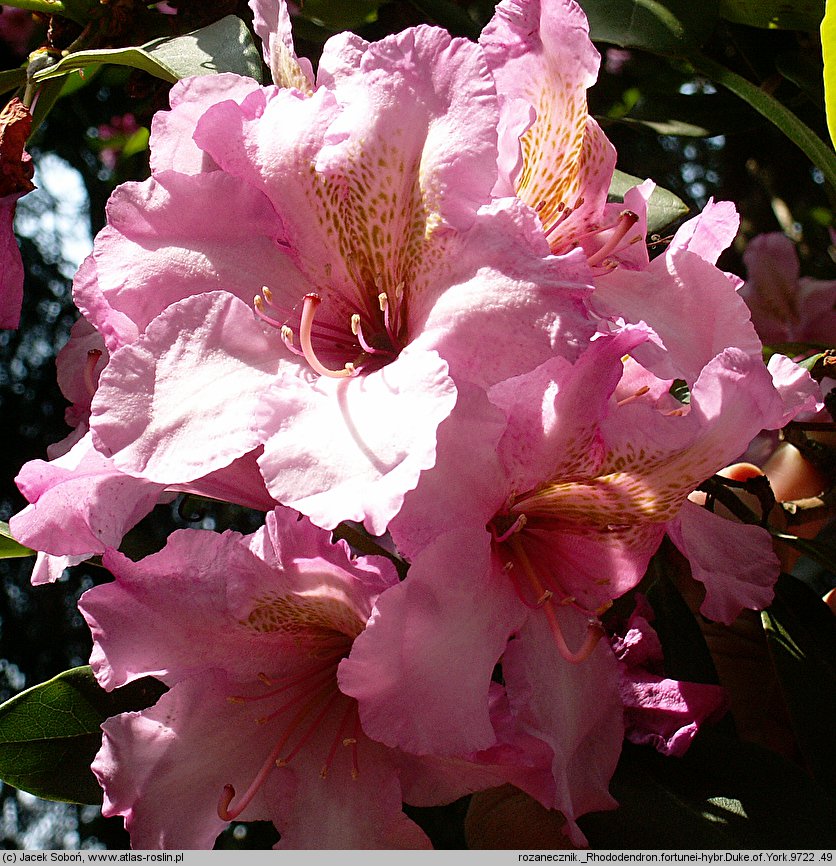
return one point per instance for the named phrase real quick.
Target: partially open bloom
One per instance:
(249, 632)
(382, 276)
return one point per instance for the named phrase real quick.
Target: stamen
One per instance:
(228, 812)
(594, 629)
(357, 330)
(258, 306)
(640, 393)
(516, 526)
(352, 707)
(627, 219)
(90, 369)
(309, 306)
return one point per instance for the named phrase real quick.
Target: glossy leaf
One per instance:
(663, 208)
(9, 548)
(10, 79)
(771, 14)
(49, 734)
(722, 794)
(225, 46)
(828, 49)
(801, 636)
(346, 15)
(447, 14)
(660, 26)
(820, 154)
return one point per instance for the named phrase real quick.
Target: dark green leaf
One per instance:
(663, 208)
(447, 14)
(225, 46)
(801, 636)
(348, 15)
(684, 648)
(722, 794)
(10, 79)
(9, 548)
(820, 154)
(50, 733)
(771, 14)
(659, 26)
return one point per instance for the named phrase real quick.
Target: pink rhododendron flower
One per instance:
(660, 711)
(531, 534)
(383, 278)
(248, 633)
(786, 307)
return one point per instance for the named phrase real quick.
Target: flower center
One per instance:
(363, 342)
(534, 582)
(308, 703)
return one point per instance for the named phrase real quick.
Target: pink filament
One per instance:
(546, 602)
(626, 221)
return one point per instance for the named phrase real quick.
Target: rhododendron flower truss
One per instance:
(381, 275)
(249, 632)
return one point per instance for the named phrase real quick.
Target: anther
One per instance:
(89, 370)
(640, 393)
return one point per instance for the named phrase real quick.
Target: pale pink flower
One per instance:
(382, 276)
(528, 535)
(249, 632)
(786, 307)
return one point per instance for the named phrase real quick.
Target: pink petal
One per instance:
(165, 768)
(734, 561)
(710, 232)
(574, 708)
(271, 22)
(203, 364)
(80, 503)
(467, 483)
(421, 670)
(166, 241)
(350, 449)
(171, 143)
(677, 288)
(11, 265)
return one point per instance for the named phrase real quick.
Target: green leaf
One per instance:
(722, 794)
(9, 548)
(801, 636)
(50, 733)
(347, 15)
(663, 208)
(772, 14)
(660, 26)
(225, 46)
(820, 154)
(828, 50)
(447, 14)
(10, 79)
